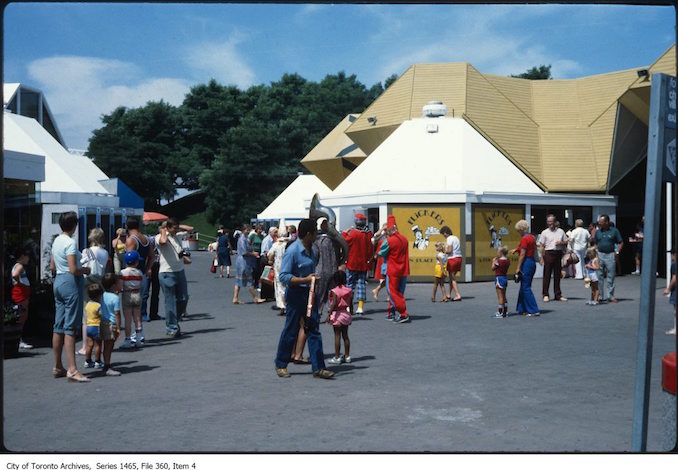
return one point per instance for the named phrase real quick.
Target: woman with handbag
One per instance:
(224, 252)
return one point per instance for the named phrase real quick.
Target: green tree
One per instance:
(137, 145)
(543, 72)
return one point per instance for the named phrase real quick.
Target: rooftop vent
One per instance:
(434, 109)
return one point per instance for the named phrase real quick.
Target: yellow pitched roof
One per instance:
(335, 156)
(545, 127)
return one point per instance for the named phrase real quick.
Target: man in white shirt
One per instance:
(552, 242)
(172, 276)
(579, 237)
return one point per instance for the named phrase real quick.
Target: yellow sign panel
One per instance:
(493, 226)
(421, 226)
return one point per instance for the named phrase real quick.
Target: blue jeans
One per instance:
(295, 308)
(69, 303)
(145, 284)
(526, 301)
(607, 267)
(175, 290)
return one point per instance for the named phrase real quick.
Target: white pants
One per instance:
(579, 267)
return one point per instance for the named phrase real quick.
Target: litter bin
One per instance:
(669, 404)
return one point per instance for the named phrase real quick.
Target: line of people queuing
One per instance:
(114, 288)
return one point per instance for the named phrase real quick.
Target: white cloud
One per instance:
(221, 61)
(80, 90)
(492, 40)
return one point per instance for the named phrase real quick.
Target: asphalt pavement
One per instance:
(455, 379)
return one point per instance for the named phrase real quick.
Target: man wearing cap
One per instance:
(395, 252)
(359, 240)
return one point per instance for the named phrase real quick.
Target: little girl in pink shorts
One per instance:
(341, 308)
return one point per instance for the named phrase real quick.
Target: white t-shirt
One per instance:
(580, 237)
(99, 253)
(456, 247)
(63, 247)
(170, 262)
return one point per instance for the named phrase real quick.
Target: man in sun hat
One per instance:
(359, 240)
(395, 252)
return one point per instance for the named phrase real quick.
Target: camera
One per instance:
(184, 254)
(517, 277)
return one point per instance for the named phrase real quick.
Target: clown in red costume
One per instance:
(359, 240)
(395, 252)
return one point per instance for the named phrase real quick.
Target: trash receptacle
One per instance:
(192, 244)
(669, 404)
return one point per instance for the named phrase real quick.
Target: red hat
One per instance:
(360, 216)
(390, 221)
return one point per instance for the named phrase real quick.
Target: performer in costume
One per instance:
(323, 249)
(359, 240)
(396, 253)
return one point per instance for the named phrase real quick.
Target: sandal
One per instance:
(445, 299)
(238, 302)
(77, 377)
(323, 374)
(58, 372)
(303, 360)
(259, 301)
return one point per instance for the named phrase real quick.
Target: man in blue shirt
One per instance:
(609, 243)
(296, 272)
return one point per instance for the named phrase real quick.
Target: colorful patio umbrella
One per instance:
(150, 217)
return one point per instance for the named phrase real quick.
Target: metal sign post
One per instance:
(662, 112)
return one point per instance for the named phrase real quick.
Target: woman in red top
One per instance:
(527, 304)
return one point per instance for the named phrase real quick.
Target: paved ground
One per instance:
(455, 379)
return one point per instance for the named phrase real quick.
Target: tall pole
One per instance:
(653, 187)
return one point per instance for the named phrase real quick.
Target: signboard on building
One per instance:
(493, 226)
(421, 226)
(669, 173)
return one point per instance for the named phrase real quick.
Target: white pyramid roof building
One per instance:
(436, 155)
(292, 203)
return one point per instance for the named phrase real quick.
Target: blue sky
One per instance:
(90, 58)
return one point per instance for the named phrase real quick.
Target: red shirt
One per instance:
(359, 249)
(500, 266)
(528, 243)
(398, 261)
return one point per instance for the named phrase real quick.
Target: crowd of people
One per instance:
(104, 296)
(313, 276)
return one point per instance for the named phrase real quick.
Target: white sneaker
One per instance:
(347, 359)
(127, 344)
(336, 360)
(359, 311)
(25, 345)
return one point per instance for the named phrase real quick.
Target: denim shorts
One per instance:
(93, 332)
(68, 299)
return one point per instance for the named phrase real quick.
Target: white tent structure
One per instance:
(293, 203)
(69, 178)
(66, 181)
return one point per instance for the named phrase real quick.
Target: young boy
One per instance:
(110, 320)
(93, 312)
(500, 266)
(132, 277)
